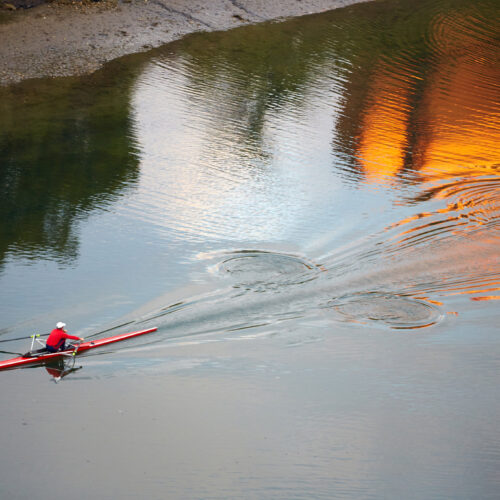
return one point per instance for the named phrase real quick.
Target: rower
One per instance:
(58, 337)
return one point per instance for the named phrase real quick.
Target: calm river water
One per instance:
(309, 211)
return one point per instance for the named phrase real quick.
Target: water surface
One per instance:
(309, 212)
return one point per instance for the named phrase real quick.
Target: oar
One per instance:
(25, 338)
(87, 336)
(10, 352)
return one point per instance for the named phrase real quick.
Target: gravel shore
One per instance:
(63, 39)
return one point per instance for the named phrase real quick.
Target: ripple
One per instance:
(461, 30)
(262, 269)
(386, 309)
(473, 206)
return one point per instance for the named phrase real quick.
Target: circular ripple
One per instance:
(386, 309)
(254, 268)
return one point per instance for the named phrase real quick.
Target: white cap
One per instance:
(60, 324)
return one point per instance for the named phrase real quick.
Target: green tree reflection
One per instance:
(65, 150)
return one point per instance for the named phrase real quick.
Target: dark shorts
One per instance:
(54, 349)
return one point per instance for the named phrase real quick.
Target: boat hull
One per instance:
(84, 346)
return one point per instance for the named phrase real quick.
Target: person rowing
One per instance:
(57, 338)
(43, 355)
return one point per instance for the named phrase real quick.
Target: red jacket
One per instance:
(57, 338)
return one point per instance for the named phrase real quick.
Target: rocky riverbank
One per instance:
(65, 38)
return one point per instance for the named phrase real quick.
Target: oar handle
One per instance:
(34, 338)
(78, 342)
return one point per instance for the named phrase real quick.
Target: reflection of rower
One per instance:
(59, 368)
(57, 338)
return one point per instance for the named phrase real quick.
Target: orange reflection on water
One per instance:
(459, 108)
(383, 141)
(438, 124)
(452, 127)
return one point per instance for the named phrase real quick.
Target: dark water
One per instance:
(309, 211)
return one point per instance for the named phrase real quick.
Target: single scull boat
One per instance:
(42, 355)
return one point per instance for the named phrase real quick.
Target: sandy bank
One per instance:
(61, 40)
